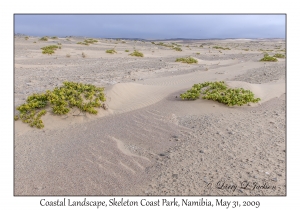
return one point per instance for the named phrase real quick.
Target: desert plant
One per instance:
(177, 48)
(188, 60)
(49, 49)
(112, 51)
(44, 38)
(90, 41)
(68, 55)
(54, 37)
(198, 53)
(34, 42)
(268, 58)
(83, 43)
(83, 55)
(126, 50)
(277, 55)
(26, 37)
(58, 43)
(85, 97)
(218, 91)
(221, 48)
(137, 53)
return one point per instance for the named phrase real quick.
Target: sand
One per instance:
(149, 141)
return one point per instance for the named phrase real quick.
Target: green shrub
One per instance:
(221, 48)
(137, 53)
(268, 58)
(83, 43)
(49, 49)
(126, 50)
(85, 97)
(177, 48)
(218, 91)
(44, 38)
(188, 60)
(112, 51)
(198, 53)
(90, 41)
(26, 37)
(54, 37)
(279, 55)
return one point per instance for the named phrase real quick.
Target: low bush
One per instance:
(49, 49)
(85, 97)
(268, 58)
(221, 48)
(126, 50)
(188, 60)
(177, 48)
(112, 51)
(277, 55)
(137, 54)
(44, 38)
(26, 37)
(218, 91)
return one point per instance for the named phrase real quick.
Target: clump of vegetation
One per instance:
(188, 60)
(268, 58)
(49, 49)
(177, 48)
(221, 48)
(26, 37)
(83, 55)
(83, 43)
(218, 91)
(88, 41)
(68, 39)
(278, 55)
(44, 38)
(137, 53)
(198, 53)
(246, 49)
(112, 51)
(68, 55)
(54, 37)
(85, 97)
(173, 45)
(34, 42)
(126, 50)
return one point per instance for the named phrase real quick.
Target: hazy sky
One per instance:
(153, 26)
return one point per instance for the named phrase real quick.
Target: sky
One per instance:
(152, 26)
